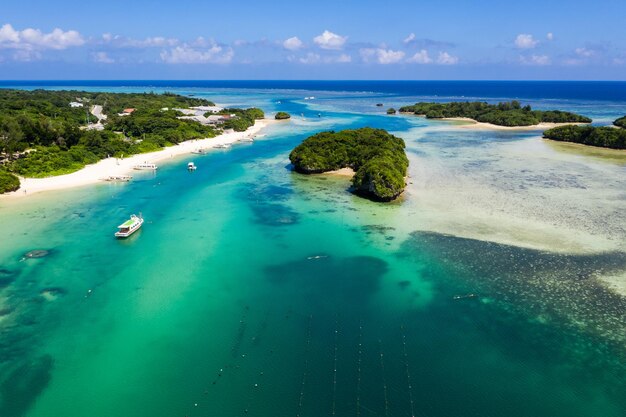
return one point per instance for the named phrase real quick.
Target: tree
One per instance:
(10, 136)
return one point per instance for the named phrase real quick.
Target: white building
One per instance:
(76, 104)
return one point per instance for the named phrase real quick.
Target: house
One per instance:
(126, 112)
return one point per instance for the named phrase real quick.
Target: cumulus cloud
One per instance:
(293, 44)
(585, 52)
(102, 58)
(421, 57)
(539, 60)
(186, 54)
(313, 58)
(330, 40)
(34, 39)
(381, 55)
(525, 41)
(445, 58)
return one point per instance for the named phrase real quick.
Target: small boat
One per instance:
(247, 139)
(199, 151)
(118, 178)
(222, 146)
(191, 166)
(145, 166)
(379, 104)
(130, 226)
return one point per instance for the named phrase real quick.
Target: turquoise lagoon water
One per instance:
(492, 288)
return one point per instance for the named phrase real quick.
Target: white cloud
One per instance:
(30, 39)
(26, 55)
(409, 38)
(293, 44)
(550, 36)
(102, 57)
(539, 60)
(421, 57)
(584, 52)
(313, 58)
(445, 58)
(150, 42)
(381, 56)
(329, 40)
(525, 41)
(186, 54)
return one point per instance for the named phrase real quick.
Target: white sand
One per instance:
(342, 172)
(112, 166)
(473, 124)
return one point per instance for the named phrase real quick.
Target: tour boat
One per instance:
(199, 151)
(191, 166)
(130, 226)
(146, 166)
(222, 146)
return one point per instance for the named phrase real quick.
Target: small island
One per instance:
(282, 115)
(510, 114)
(601, 136)
(391, 111)
(621, 122)
(377, 157)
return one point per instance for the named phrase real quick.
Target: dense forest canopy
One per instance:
(44, 133)
(605, 136)
(376, 156)
(501, 114)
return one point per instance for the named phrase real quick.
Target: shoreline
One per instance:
(467, 123)
(94, 173)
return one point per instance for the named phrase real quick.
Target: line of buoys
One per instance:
(408, 373)
(382, 370)
(334, 409)
(307, 348)
(358, 369)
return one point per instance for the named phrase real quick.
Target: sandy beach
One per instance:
(473, 124)
(97, 172)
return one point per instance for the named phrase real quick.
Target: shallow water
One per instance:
(252, 290)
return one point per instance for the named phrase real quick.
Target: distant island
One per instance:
(621, 122)
(602, 136)
(47, 133)
(281, 115)
(377, 157)
(510, 114)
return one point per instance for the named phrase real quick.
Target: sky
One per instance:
(443, 39)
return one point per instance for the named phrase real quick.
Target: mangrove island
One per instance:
(602, 136)
(510, 114)
(377, 157)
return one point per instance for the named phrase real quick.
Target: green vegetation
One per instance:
(243, 119)
(621, 122)
(606, 136)
(281, 115)
(377, 157)
(391, 111)
(501, 114)
(53, 132)
(8, 182)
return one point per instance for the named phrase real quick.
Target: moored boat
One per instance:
(145, 166)
(199, 151)
(191, 166)
(118, 178)
(130, 226)
(222, 146)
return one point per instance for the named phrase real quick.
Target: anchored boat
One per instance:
(191, 166)
(130, 226)
(145, 166)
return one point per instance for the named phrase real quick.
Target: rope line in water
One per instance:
(382, 369)
(408, 373)
(335, 367)
(306, 366)
(358, 370)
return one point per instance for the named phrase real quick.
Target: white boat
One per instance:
(222, 146)
(130, 226)
(118, 178)
(199, 151)
(145, 166)
(191, 166)
(247, 139)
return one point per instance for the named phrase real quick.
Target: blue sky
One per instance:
(447, 39)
